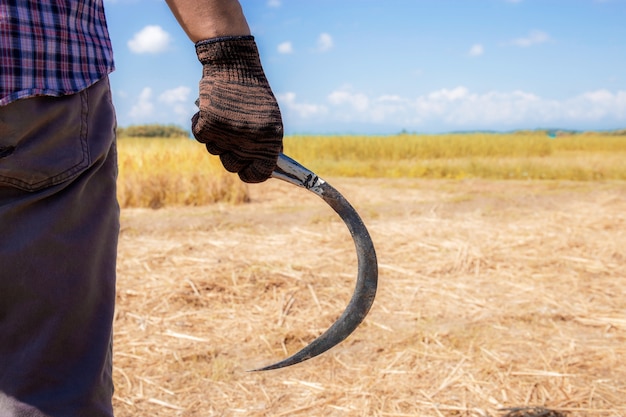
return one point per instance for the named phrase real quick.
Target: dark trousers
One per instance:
(59, 223)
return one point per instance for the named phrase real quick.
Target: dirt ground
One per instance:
(493, 296)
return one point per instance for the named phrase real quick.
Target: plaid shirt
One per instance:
(52, 47)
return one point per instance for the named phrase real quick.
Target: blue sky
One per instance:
(383, 66)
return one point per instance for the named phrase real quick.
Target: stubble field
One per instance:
(493, 295)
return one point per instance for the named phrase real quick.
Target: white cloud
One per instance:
(599, 104)
(476, 50)
(288, 103)
(285, 48)
(274, 3)
(177, 100)
(513, 1)
(151, 107)
(459, 108)
(535, 37)
(324, 42)
(151, 39)
(175, 95)
(449, 95)
(143, 108)
(358, 101)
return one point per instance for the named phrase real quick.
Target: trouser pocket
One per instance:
(43, 141)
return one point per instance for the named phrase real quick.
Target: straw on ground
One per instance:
(493, 295)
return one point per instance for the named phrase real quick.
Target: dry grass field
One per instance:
(493, 295)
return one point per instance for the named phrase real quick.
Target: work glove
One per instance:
(239, 118)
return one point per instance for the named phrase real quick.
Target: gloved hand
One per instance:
(239, 118)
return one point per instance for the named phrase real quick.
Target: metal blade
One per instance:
(367, 279)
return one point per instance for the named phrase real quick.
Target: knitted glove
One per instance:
(239, 118)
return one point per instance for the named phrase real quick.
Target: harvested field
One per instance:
(493, 296)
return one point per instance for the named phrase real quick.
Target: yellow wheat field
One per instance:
(178, 171)
(163, 172)
(524, 155)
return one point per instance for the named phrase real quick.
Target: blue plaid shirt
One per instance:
(52, 47)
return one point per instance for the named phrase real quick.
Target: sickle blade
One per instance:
(367, 279)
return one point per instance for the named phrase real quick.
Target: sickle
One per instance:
(291, 171)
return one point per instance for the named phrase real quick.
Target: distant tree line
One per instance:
(152, 131)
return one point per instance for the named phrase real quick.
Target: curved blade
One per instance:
(367, 279)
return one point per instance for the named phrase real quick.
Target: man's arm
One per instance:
(206, 19)
(238, 118)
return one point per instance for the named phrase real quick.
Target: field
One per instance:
(494, 295)
(160, 172)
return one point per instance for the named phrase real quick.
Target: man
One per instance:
(59, 218)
